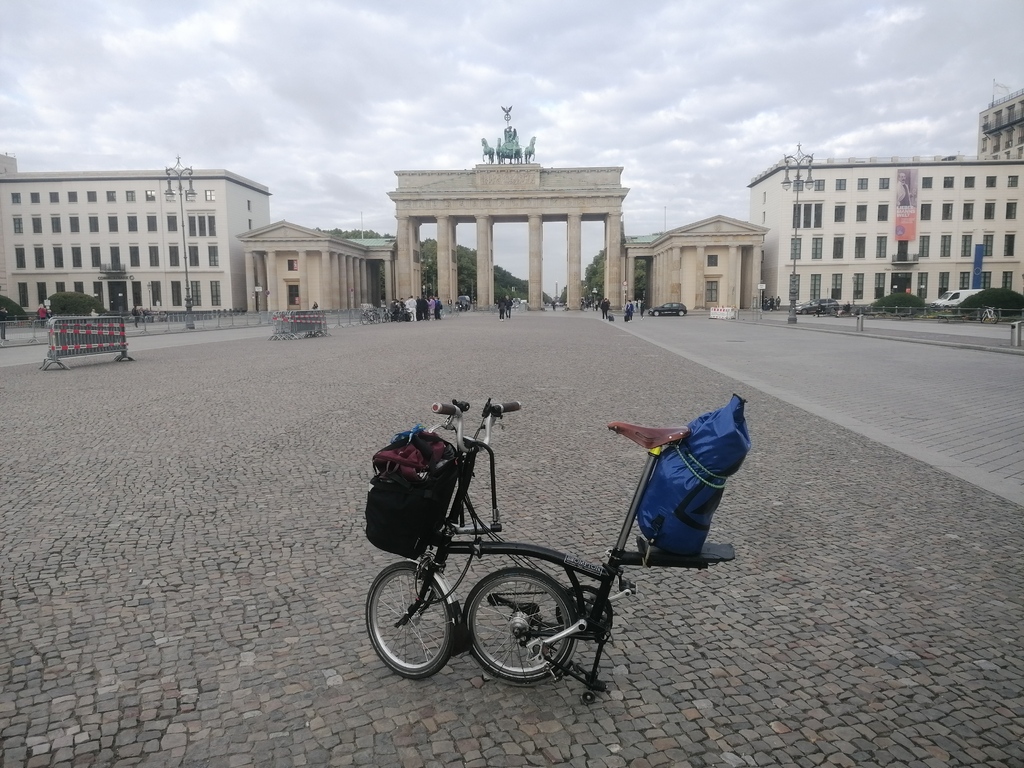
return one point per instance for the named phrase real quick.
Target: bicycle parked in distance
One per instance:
(989, 315)
(522, 623)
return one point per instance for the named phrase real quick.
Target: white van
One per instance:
(953, 298)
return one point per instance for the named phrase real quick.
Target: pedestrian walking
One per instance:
(3, 322)
(605, 306)
(136, 313)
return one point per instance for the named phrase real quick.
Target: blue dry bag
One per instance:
(689, 478)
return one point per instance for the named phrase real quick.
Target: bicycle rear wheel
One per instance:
(418, 646)
(509, 608)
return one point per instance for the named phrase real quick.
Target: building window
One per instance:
(211, 222)
(883, 183)
(710, 292)
(90, 197)
(879, 285)
(55, 197)
(840, 214)
(197, 296)
(175, 293)
(37, 225)
(926, 211)
(94, 223)
(990, 181)
(155, 294)
(293, 295)
(129, 196)
(947, 211)
(41, 292)
(33, 197)
(133, 256)
(862, 213)
(112, 223)
(712, 260)
(73, 198)
(819, 185)
(837, 247)
(133, 223)
(76, 258)
(58, 257)
(840, 186)
(794, 248)
(816, 247)
(248, 205)
(173, 257)
(15, 198)
(881, 246)
(58, 287)
(115, 256)
(965, 280)
(858, 285)
(943, 282)
(815, 287)
(1008, 280)
(150, 195)
(97, 291)
(78, 287)
(154, 255)
(924, 244)
(151, 223)
(19, 227)
(1008, 243)
(95, 256)
(968, 182)
(987, 242)
(73, 223)
(19, 258)
(210, 197)
(837, 286)
(214, 256)
(945, 246)
(1011, 181)
(293, 265)
(965, 246)
(922, 285)
(172, 223)
(926, 182)
(811, 216)
(968, 211)
(193, 255)
(883, 212)
(23, 294)
(947, 182)
(862, 183)
(1011, 210)
(40, 261)
(990, 210)
(111, 197)
(986, 280)
(860, 247)
(215, 293)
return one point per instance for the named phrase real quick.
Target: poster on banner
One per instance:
(906, 204)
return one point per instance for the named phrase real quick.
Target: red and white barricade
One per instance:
(78, 336)
(299, 324)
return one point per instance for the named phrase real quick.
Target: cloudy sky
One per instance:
(322, 100)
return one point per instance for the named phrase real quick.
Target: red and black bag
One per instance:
(414, 480)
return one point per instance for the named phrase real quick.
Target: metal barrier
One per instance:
(79, 336)
(722, 313)
(299, 324)
(1015, 333)
(21, 332)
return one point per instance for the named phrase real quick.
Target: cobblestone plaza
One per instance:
(183, 568)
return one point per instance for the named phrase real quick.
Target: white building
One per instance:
(1001, 128)
(852, 239)
(113, 234)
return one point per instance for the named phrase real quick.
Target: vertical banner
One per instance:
(979, 257)
(906, 204)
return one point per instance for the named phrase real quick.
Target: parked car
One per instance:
(670, 308)
(818, 307)
(954, 298)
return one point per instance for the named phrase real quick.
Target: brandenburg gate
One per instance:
(501, 192)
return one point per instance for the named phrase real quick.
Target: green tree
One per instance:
(354, 234)
(14, 310)
(899, 300)
(1000, 298)
(69, 303)
(593, 277)
(506, 284)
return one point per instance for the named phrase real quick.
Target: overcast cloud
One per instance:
(323, 101)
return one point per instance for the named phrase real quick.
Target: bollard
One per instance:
(860, 322)
(1015, 333)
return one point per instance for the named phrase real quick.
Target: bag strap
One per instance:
(699, 470)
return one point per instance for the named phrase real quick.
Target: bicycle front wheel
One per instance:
(415, 646)
(509, 608)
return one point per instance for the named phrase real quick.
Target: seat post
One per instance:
(645, 478)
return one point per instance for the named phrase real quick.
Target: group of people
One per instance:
(413, 309)
(505, 308)
(770, 304)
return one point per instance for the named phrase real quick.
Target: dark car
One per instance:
(818, 307)
(670, 308)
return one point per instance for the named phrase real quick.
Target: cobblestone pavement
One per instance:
(183, 570)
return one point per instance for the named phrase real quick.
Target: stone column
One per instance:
(403, 257)
(694, 279)
(273, 283)
(389, 282)
(364, 283)
(304, 280)
(630, 276)
(334, 302)
(676, 277)
(536, 298)
(353, 286)
(250, 280)
(323, 290)
(574, 259)
(733, 277)
(613, 258)
(484, 270)
(444, 257)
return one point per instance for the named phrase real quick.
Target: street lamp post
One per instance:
(800, 163)
(179, 172)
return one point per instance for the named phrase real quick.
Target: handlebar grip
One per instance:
(501, 408)
(446, 409)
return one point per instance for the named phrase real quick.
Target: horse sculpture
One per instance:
(528, 152)
(488, 151)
